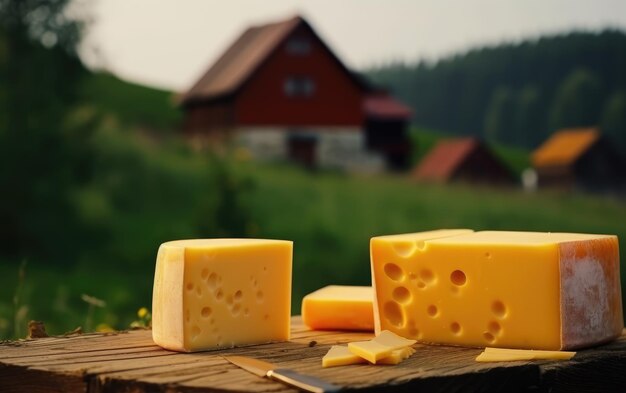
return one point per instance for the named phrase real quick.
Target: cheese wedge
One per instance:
(340, 355)
(509, 355)
(219, 293)
(379, 347)
(500, 289)
(339, 307)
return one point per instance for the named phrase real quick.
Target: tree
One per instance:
(529, 118)
(499, 115)
(578, 101)
(614, 119)
(41, 158)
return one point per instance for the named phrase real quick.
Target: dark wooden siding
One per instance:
(336, 99)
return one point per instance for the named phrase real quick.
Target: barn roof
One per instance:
(445, 158)
(245, 56)
(565, 147)
(385, 107)
(241, 59)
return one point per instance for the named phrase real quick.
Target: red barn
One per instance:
(282, 93)
(463, 159)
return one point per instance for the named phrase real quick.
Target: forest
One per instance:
(519, 93)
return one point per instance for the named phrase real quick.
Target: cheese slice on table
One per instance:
(529, 290)
(380, 346)
(508, 355)
(219, 293)
(339, 307)
(340, 355)
(397, 356)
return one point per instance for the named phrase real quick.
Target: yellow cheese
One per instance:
(340, 308)
(397, 356)
(379, 347)
(500, 289)
(509, 355)
(217, 293)
(340, 355)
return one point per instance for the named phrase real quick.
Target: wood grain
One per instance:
(131, 362)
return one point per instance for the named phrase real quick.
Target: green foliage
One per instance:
(614, 119)
(578, 101)
(498, 118)
(458, 94)
(132, 105)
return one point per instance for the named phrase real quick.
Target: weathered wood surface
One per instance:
(130, 362)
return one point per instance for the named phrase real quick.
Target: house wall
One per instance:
(335, 147)
(335, 101)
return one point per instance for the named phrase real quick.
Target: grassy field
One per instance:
(329, 216)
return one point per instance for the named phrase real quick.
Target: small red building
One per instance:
(281, 92)
(463, 159)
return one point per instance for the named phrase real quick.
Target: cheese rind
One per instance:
(339, 307)
(500, 289)
(219, 293)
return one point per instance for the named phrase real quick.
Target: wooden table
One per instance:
(130, 362)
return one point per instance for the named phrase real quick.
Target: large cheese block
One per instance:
(218, 293)
(529, 290)
(339, 307)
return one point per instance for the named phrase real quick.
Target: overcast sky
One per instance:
(169, 43)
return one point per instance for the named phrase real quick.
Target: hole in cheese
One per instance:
(489, 337)
(219, 295)
(238, 295)
(402, 295)
(212, 281)
(189, 286)
(458, 278)
(499, 309)
(235, 309)
(494, 328)
(427, 276)
(393, 313)
(259, 296)
(432, 310)
(421, 285)
(394, 272)
(206, 312)
(455, 327)
(404, 249)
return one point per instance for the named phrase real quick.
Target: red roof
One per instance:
(385, 107)
(445, 158)
(241, 59)
(245, 56)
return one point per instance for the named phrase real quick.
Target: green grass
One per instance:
(330, 218)
(132, 104)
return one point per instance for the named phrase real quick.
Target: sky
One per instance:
(170, 43)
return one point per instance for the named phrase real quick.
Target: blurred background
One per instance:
(124, 124)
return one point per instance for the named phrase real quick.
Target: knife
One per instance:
(290, 377)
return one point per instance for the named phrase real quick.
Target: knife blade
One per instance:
(290, 377)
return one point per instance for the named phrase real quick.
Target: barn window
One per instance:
(299, 86)
(299, 46)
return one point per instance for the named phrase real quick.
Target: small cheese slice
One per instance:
(526, 290)
(509, 355)
(380, 346)
(340, 355)
(219, 293)
(397, 356)
(339, 307)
